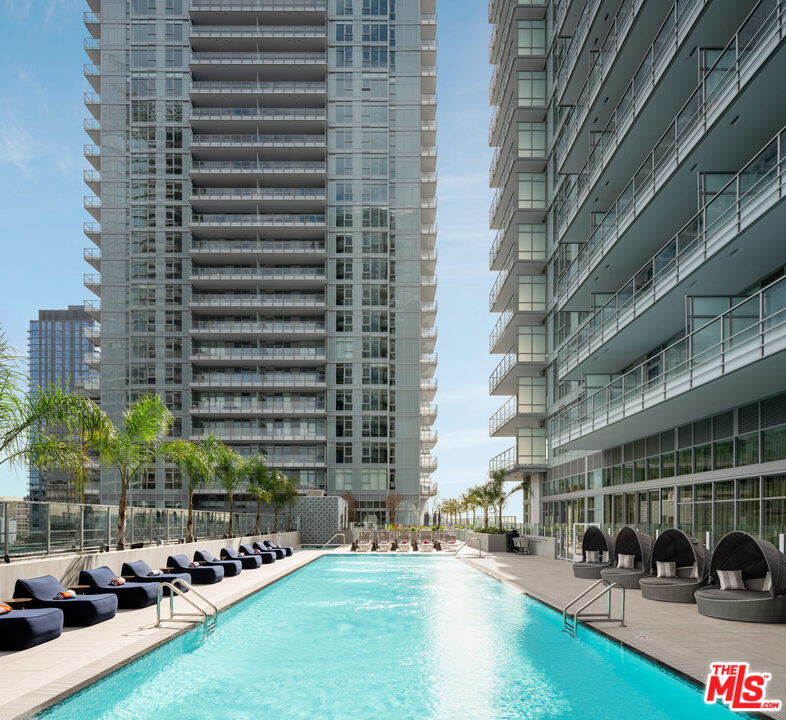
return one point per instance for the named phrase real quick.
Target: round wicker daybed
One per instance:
(598, 541)
(630, 542)
(759, 561)
(692, 562)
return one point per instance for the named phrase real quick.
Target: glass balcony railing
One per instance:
(259, 57)
(259, 166)
(267, 140)
(735, 66)
(261, 114)
(308, 272)
(250, 379)
(257, 86)
(749, 332)
(234, 405)
(258, 354)
(506, 460)
(245, 247)
(748, 195)
(258, 300)
(272, 327)
(259, 31)
(260, 219)
(577, 42)
(507, 363)
(267, 5)
(500, 326)
(672, 33)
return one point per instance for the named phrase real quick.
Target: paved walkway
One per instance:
(672, 633)
(80, 656)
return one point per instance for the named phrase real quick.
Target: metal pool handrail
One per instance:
(467, 542)
(210, 620)
(571, 625)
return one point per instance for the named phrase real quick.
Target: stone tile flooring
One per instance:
(33, 679)
(672, 633)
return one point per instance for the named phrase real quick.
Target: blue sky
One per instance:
(41, 189)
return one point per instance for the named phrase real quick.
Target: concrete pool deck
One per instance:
(32, 680)
(671, 633)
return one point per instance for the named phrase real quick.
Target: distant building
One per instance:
(57, 348)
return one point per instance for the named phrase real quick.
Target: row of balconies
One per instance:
(224, 6)
(215, 249)
(251, 329)
(282, 301)
(733, 359)
(248, 406)
(252, 435)
(752, 45)
(259, 355)
(251, 380)
(688, 257)
(673, 150)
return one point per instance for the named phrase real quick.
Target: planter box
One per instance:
(489, 543)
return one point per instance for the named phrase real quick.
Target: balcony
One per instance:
(247, 119)
(93, 309)
(93, 256)
(258, 168)
(513, 415)
(93, 206)
(93, 360)
(719, 87)
(246, 275)
(93, 129)
(428, 413)
(499, 333)
(428, 365)
(505, 377)
(428, 489)
(92, 282)
(93, 232)
(93, 155)
(732, 360)
(259, 355)
(93, 75)
(254, 301)
(93, 24)
(428, 464)
(231, 250)
(225, 329)
(228, 141)
(242, 225)
(92, 47)
(93, 181)
(428, 439)
(509, 460)
(251, 380)
(692, 255)
(290, 93)
(428, 388)
(235, 406)
(93, 104)
(93, 333)
(288, 6)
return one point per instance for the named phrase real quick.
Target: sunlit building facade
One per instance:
(640, 289)
(265, 225)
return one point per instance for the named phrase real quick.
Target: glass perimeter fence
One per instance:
(47, 528)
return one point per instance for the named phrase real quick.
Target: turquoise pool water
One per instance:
(388, 637)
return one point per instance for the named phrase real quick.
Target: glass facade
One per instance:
(270, 268)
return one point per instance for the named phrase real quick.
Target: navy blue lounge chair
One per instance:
(231, 567)
(139, 571)
(81, 610)
(268, 556)
(272, 546)
(201, 575)
(22, 629)
(248, 561)
(130, 595)
(280, 552)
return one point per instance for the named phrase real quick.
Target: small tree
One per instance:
(352, 505)
(132, 446)
(259, 486)
(231, 474)
(392, 502)
(497, 484)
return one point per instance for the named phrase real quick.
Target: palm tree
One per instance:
(524, 487)
(258, 475)
(472, 502)
(230, 472)
(486, 498)
(497, 484)
(196, 462)
(279, 494)
(50, 428)
(132, 446)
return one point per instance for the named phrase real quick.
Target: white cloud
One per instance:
(18, 9)
(17, 145)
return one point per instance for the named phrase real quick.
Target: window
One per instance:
(344, 216)
(174, 31)
(375, 165)
(174, 7)
(344, 322)
(375, 269)
(344, 84)
(344, 7)
(532, 190)
(375, 374)
(343, 139)
(344, 400)
(532, 241)
(343, 295)
(375, 217)
(532, 293)
(343, 373)
(375, 7)
(343, 164)
(344, 56)
(532, 88)
(143, 7)
(375, 32)
(143, 58)
(773, 444)
(374, 452)
(343, 453)
(343, 244)
(174, 56)
(344, 192)
(375, 242)
(375, 427)
(375, 347)
(532, 37)
(173, 84)
(374, 321)
(375, 57)
(375, 400)
(343, 31)
(343, 427)
(748, 449)
(532, 139)
(375, 295)
(143, 111)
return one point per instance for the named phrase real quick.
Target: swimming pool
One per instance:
(388, 637)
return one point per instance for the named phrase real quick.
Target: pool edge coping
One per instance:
(681, 674)
(105, 672)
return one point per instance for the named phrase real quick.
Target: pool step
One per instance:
(570, 623)
(209, 615)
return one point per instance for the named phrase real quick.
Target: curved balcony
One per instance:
(732, 360)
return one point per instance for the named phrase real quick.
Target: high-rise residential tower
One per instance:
(266, 180)
(640, 289)
(57, 353)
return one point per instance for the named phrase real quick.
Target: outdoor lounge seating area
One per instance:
(680, 566)
(42, 606)
(404, 541)
(597, 553)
